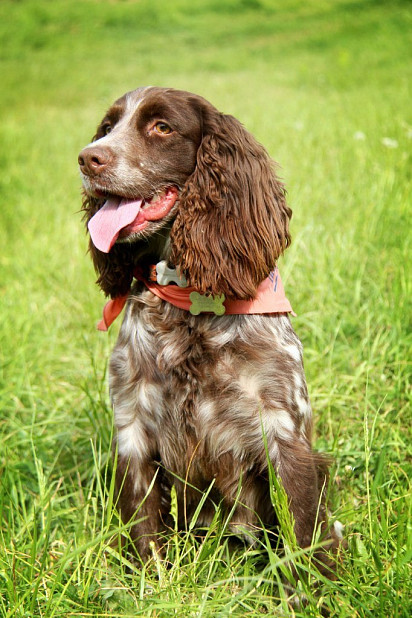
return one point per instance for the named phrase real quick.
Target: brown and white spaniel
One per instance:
(202, 398)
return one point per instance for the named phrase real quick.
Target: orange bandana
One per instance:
(270, 298)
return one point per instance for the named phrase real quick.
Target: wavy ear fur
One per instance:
(115, 269)
(233, 221)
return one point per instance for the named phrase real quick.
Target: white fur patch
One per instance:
(206, 412)
(273, 450)
(303, 405)
(249, 383)
(132, 441)
(293, 351)
(278, 423)
(339, 527)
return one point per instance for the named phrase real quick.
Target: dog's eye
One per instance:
(162, 128)
(106, 128)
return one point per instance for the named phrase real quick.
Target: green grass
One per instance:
(325, 85)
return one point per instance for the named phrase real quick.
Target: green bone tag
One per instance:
(206, 303)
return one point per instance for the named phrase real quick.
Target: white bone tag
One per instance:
(166, 275)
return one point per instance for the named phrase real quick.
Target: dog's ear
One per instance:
(233, 220)
(115, 269)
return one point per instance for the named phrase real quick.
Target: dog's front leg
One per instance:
(304, 477)
(139, 501)
(136, 403)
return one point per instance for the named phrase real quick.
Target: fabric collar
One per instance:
(270, 298)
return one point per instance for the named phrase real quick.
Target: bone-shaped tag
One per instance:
(166, 275)
(206, 303)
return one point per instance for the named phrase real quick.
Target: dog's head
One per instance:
(168, 176)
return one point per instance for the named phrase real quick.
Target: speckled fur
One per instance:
(196, 397)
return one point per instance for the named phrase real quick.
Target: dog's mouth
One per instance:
(121, 217)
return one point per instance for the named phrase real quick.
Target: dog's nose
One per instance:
(94, 160)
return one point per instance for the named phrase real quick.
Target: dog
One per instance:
(187, 219)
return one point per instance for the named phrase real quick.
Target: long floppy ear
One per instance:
(115, 269)
(233, 221)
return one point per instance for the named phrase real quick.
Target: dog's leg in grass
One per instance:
(139, 499)
(304, 476)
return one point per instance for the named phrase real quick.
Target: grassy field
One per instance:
(325, 85)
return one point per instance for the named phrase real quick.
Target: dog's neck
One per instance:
(153, 249)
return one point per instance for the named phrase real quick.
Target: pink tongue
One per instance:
(113, 216)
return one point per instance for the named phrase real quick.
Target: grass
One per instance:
(326, 87)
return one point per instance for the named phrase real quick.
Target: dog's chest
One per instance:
(189, 392)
